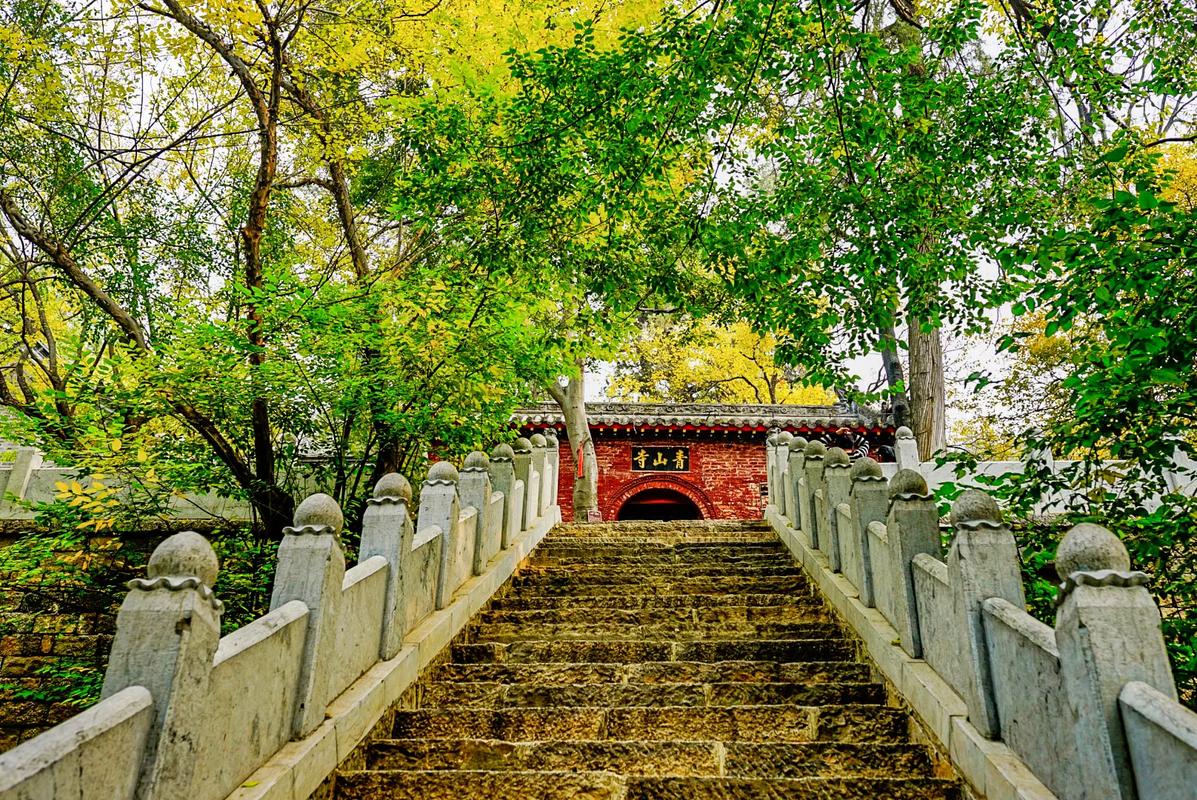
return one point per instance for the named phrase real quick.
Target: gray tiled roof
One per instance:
(704, 414)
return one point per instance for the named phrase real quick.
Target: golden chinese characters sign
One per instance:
(660, 459)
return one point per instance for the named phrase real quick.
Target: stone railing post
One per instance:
(982, 563)
(1107, 634)
(311, 569)
(502, 479)
(387, 531)
(784, 439)
(522, 459)
(795, 483)
(540, 461)
(552, 467)
(870, 503)
(912, 527)
(906, 449)
(812, 468)
(440, 507)
(795, 461)
(167, 632)
(837, 486)
(771, 473)
(26, 462)
(473, 489)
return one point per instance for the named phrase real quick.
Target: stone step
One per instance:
(657, 572)
(681, 632)
(658, 561)
(865, 723)
(678, 759)
(685, 567)
(531, 601)
(699, 551)
(657, 672)
(646, 549)
(523, 695)
(632, 651)
(718, 615)
(698, 531)
(582, 583)
(501, 785)
(790, 789)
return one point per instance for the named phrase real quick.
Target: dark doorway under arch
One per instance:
(658, 504)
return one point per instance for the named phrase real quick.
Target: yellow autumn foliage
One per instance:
(703, 362)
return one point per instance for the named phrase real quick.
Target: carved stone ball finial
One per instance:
(797, 444)
(476, 460)
(550, 437)
(538, 441)
(442, 472)
(785, 437)
(522, 445)
(973, 508)
(907, 485)
(1090, 548)
(772, 440)
(185, 554)
(502, 452)
(904, 433)
(865, 468)
(816, 449)
(319, 511)
(393, 486)
(837, 457)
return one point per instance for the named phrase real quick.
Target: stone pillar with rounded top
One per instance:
(912, 527)
(837, 485)
(982, 562)
(771, 474)
(797, 465)
(552, 467)
(783, 469)
(474, 490)
(440, 508)
(311, 569)
(906, 449)
(502, 479)
(1108, 634)
(540, 465)
(812, 469)
(869, 497)
(167, 632)
(387, 531)
(522, 461)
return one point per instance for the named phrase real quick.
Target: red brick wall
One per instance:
(724, 480)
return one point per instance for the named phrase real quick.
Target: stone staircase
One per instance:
(646, 661)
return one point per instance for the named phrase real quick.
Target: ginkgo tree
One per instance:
(699, 361)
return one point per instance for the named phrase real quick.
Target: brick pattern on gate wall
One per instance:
(725, 477)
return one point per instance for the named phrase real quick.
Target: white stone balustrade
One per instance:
(1081, 711)
(269, 710)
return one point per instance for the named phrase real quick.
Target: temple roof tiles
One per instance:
(674, 415)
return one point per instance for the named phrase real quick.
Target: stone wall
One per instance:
(270, 709)
(1083, 710)
(31, 641)
(50, 624)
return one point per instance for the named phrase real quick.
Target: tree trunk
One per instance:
(572, 400)
(927, 390)
(895, 379)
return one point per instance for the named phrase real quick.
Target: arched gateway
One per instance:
(695, 461)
